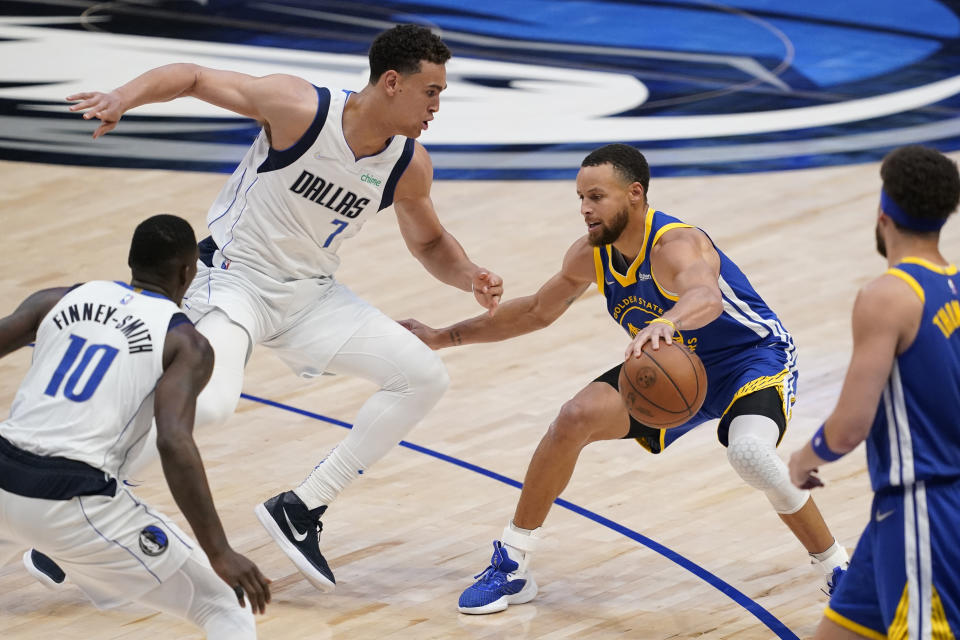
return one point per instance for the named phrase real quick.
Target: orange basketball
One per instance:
(663, 388)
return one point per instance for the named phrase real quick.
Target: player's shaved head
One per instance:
(160, 244)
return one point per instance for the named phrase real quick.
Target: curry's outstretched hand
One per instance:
(428, 335)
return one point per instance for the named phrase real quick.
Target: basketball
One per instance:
(663, 388)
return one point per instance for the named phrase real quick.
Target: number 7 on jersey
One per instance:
(340, 226)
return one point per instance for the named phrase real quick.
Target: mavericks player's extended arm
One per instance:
(187, 364)
(520, 315)
(285, 104)
(436, 249)
(20, 327)
(286, 107)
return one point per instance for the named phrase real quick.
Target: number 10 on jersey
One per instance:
(104, 354)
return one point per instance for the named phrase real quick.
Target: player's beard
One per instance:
(881, 243)
(610, 234)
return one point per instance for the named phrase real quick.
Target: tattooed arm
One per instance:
(521, 315)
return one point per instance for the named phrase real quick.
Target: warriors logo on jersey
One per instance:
(728, 345)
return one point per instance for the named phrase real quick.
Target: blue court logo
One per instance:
(700, 87)
(153, 540)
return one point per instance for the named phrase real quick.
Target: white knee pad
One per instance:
(231, 346)
(753, 455)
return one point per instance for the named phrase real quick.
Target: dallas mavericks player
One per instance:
(663, 281)
(109, 357)
(902, 395)
(325, 162)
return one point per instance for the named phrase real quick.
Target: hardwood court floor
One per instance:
(406, 539)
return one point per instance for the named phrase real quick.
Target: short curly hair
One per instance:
(627, 161)
(922, 181)
(403, 47)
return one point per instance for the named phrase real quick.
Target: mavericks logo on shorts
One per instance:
(153, 540)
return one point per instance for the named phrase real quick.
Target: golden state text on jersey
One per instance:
(744, 350)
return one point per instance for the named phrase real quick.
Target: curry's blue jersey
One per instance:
(744, 350)
(916, 432)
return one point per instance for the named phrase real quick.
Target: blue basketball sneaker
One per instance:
(500, 585)
(833, 580)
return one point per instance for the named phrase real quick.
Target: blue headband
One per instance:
(904, 219)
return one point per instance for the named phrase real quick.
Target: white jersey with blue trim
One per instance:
(88, 394)
(916, 431)
(285, 213)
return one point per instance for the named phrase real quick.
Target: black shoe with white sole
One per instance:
(296, 530)
(43, 568)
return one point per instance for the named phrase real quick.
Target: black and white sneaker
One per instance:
(296, 530)
(43, 568)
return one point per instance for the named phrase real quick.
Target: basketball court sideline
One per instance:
(673, 546)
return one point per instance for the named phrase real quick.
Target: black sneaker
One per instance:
(46, 571)
(296, 530)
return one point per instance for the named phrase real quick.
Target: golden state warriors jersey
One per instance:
(916, 431)
(728, 345)
(285, 213)
(88, 394)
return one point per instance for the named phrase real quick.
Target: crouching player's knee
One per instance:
(752, 452)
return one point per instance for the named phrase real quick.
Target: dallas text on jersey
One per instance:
(316, 189)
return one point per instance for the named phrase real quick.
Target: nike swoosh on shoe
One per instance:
(299, 537)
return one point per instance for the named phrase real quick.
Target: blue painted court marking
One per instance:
(747, 603)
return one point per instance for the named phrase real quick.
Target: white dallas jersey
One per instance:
(88, 395)
(285, 213)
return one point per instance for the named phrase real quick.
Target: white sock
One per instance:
(329, 478)
(521, 543)
(411, 378)
(835, 556)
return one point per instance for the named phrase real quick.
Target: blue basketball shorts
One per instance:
(904, 577)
